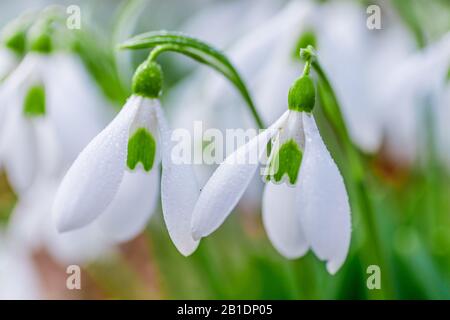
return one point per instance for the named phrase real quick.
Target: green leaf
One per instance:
(34, 102)
(141, 148)
(199, 51)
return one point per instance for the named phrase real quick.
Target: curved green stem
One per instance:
(197, 50)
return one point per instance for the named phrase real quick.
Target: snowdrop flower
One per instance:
(405, 92)
(267, 68)
(126, 154)
(49, 111)
(305, 202)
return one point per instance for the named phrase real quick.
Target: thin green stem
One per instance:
(307, 68)
(197, 50)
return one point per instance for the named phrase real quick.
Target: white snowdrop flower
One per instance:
(49, 110)
(125, 156)
(22, 122)
(31, 225)
(406, 91)
(305, 203)
(267, 69)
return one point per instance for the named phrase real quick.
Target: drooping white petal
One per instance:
(93, 180)
(18, 151)
(134, 203)
(322, 200)
(8, 59)
(228, 183)
(16, 82)
(281, 220)
(179, 192)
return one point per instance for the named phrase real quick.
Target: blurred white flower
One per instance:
(114, 181)
(305, 203)
(407, 90)
(49, 111)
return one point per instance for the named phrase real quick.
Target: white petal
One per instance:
(93, 180)
(179, 192)
(18, 151)
(8, 60)
(281, 220)
(134, 203)
(228, 183)
(322, 201)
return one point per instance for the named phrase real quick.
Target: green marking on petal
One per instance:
(141, 148)
(34, 102)
(287, 161)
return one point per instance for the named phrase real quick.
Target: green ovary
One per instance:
(141, 148)
(34, 102)
(287, 161)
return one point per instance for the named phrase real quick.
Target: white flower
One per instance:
(406, 92)
(125, 156)
(305, 203)
(42, 139)
(265, 59)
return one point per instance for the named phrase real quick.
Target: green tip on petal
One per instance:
(307, 38)
(34, 102)
(41, 43)
(147, 80)
(302, 95)
(39, 37)
(16, 41)
(287, 161)
(14, 34)
(141, 148)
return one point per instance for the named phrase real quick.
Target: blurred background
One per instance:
(392, 84)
